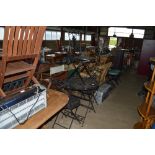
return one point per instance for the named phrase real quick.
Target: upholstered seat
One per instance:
(114, 72)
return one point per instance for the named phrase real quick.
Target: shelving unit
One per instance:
(146, 110)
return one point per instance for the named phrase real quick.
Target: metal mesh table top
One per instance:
(84, 84)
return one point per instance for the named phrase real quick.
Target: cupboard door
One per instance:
(148, 50)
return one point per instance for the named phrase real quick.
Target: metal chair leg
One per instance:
(73, 118)
(94, 98)
(90, 98)
(55, 120)
(85, 116)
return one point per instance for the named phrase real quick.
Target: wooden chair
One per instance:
(103, 59)
(49, 74)
(101, 72)
(21, 52)
(91, 67)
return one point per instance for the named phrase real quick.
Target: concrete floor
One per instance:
(118, 111)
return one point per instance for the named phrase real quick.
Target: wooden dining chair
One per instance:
(21, 52)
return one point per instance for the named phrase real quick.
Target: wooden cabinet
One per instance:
(148, 50)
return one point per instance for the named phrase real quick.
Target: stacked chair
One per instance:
(56, 80)
(21, 51)
(85, 86)
(70, 110)
(80, 84)
(105, 86)
(102, 71)
(21, 95)
(116, 69)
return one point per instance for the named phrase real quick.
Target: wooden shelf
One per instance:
(146, 110)
(149, 86)
(142, 110)
(139, 125)
(56, 101)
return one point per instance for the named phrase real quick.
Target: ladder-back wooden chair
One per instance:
(21, 52)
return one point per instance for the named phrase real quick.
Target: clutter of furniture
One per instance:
(79, 77)
(23, 101)
(65, 80)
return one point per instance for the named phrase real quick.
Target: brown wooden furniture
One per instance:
(21, 51)
(101, 72)
(103, 59)
(147, 51)
(55, 57)
(146, 110)
(92, 67)
(47, 79)
(47, 73)
(56, 101)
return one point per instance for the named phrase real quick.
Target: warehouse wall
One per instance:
(53, 44)
(149, 34)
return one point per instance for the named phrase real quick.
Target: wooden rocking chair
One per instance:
(21, 52)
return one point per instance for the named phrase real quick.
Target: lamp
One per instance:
(114, 35)
(131, 35)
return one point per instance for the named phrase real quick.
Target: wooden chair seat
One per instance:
(17, 67)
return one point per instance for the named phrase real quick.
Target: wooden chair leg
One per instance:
(144, 124)
(49, 85)
(35, 80)
(2, 93)
(148, 123)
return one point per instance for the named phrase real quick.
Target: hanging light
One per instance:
(114, 35)
(131, 35)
